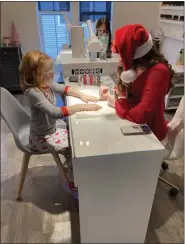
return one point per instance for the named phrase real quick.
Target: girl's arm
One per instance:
(67, 90)
(38, 99)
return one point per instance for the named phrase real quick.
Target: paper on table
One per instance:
(105, 111)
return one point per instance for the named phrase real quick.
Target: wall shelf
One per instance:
(181, 8)
(170, 97)
(174, 37)
(176, 96)
(173, 22)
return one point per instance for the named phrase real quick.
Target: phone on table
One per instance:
(135, 130)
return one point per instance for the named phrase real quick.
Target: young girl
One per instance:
(36, 76)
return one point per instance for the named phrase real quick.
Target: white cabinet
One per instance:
(177, 91)
(172, 21)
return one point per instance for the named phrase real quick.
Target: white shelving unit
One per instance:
(172, 8)
(172, 28)
(173, 22)
(177, 91)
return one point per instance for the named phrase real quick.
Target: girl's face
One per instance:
(102, 30)
(48, 73)
(49, 78)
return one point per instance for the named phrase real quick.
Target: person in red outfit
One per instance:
(148, 76)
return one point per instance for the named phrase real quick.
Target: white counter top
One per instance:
(102, 136)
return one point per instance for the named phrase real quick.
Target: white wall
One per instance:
(145, 13)
(171, 48)
(24, 16)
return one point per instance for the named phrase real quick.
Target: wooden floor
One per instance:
(49, 214)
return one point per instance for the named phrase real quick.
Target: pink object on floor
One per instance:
(15, 35)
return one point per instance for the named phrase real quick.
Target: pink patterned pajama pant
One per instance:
(56, 142)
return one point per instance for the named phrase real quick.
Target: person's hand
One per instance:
(82, 107)
(85, 98)
(111, 100)
(92, 107)
(103, 91)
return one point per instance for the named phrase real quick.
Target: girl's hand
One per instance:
(85, 98)
(82, 107)
(111, 100)
(92, 107)
(103, 91)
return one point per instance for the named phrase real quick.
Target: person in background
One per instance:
(36, 81)
(103, 27)
(174, 141)
(149, 76)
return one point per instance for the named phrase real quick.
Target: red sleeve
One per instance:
(66, 89)
(155, 90)
(64, 111)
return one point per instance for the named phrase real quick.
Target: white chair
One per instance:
(174, 144)
(17, 120)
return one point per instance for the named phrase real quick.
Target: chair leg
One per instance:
(168, 183)
(24, 170)
(60, 167)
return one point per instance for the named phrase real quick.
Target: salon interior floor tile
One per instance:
(48, 214)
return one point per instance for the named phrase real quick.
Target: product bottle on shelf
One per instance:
(182, 56)
(179, 57)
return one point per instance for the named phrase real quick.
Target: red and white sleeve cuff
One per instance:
(64, 111)
(66, 89)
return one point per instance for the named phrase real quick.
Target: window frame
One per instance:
(68, 10)
(40, 27)
(108, 11)
(75, 17)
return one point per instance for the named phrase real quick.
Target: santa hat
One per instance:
(131, 42)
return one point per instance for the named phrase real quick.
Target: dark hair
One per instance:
(152, 58)
(123, 87)
(149, 60)
(106, 22)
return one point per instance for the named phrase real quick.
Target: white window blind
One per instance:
(52, 25)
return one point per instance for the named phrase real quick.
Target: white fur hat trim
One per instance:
(128, 76)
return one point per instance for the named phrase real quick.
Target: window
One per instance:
(53, 32)
(93, 11)
(52, 26)
(54, 6)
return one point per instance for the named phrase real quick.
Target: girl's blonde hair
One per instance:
(122, 87)
(33, 69)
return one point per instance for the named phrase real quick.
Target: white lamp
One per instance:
(93, 43)
(68, 27)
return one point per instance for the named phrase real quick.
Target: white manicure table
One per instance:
(116, 175)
